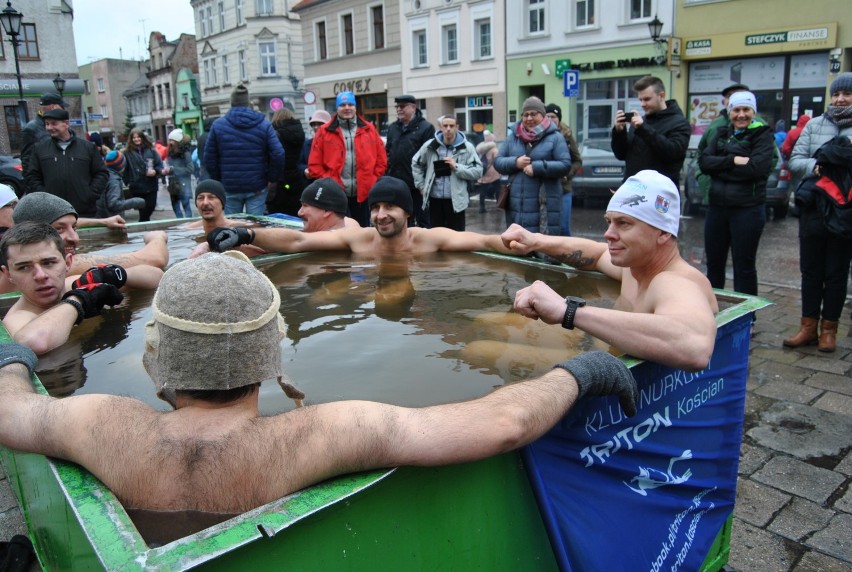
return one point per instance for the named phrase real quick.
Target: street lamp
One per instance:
(59, 84)
(11, 20)
(655, 28)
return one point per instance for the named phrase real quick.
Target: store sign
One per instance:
(355, 86)
(479, 101)
(614, 64)
(698, 47)
(783, 37)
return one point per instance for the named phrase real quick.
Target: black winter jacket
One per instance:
(659, 143)
(76, 174)
(292, 137)
(402, 144)
(739, 185)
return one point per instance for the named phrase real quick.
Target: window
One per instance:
(264, 7)
(241, 56)
(450, 43)
(226, 75)
(167, 88)
(322, 42)
(347, 41)
(266, 51)
(585, 13)
(640, 9)
(421, 49)
(238, 6)
(101, 88)
(210, 78)
(28, 48)
(87, 87)
(221, 15)
(535, 16)
(202, 23)
(105, 111)
(482, 38)
(209, 14)
(377, 19)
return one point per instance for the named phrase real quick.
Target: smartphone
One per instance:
(628, 115)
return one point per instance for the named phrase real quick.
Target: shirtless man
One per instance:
(216, 453)
(390, 206)
(666, 309)
(210, 202)
(35, 262)
(58, 213)
(324, 205)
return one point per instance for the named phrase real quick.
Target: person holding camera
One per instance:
(656, 140)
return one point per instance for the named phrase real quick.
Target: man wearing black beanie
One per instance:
(390, 205)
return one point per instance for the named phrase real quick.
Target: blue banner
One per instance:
(651, 492)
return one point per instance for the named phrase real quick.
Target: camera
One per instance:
(628, 115)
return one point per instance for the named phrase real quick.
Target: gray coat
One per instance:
(468, 169)
(817, 132)
(551, 161)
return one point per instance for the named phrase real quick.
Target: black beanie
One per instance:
(213, 187)
(391, 190)
(553, 108)
(327, 195)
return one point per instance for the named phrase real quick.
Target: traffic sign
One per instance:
(571, 83)
(96, 116)
(76, 122)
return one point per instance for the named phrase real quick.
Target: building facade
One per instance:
(608, 44)
(352, 45)
(256, 43)
(453, 57)
(138, 106)
(105, 108)
(167, 58)
(788, 56)
(47, 49)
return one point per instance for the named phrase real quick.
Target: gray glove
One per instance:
(222, 239)
(600, 373)
(17, 353)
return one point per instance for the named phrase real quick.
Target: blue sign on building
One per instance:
(571, 83)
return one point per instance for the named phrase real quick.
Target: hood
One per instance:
(803, 120)
(460, 139)
(244, 118)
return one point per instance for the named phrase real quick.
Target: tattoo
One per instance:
(576, 259)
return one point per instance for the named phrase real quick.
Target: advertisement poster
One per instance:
(651, 492)
(703, 109)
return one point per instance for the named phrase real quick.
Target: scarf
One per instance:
(840, 116)
(536, 133)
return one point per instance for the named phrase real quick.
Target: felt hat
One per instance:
(405, 98)
(327, 195)
(650, 197)
(234, 331)
(42, 207)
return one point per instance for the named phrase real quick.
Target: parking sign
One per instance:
(571, 83)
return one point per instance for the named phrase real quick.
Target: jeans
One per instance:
(737, 229)
(254, 203)
(565, 219)
(824, 261)
(181, 205)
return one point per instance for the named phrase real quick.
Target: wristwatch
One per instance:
(573, 303)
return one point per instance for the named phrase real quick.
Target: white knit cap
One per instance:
(176, 135)
(7, 195)
(742, 99)
(650, 197)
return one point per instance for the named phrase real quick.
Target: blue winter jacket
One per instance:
(551, 161)
(243, 151)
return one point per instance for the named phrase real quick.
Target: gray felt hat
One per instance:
(42, 207)
(228, 338)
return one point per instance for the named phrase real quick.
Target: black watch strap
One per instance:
(572, 303)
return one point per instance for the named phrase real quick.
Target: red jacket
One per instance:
(793, 136)
(328, 153)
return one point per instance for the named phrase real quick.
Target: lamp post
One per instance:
(59, 84)
(655, 28)
(11, 21)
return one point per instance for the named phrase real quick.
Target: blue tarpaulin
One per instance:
(649, 492)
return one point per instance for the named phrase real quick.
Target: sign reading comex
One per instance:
(571, 83)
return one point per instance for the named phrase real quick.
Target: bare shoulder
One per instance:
(682, 283)
(18, 316)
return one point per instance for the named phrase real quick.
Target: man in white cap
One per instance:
(8, 202)
(215, 452)
(666, 309)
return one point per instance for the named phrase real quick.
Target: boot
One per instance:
(827, 336)
(806, 336)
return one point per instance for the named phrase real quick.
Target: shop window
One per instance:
(374, 108)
